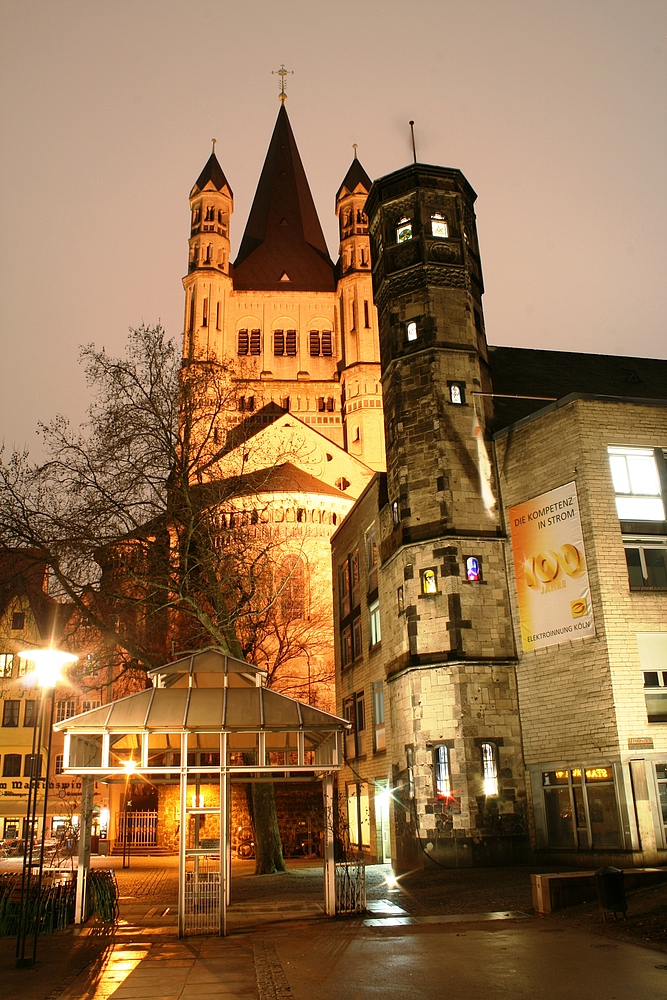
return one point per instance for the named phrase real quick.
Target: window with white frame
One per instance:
(490, 768)
(90, 704)
(647, 562)
(636, 479)
(6, 664)
(374, 616)
(442, 778)
(65, 709)
(652, 647)
(59, 763)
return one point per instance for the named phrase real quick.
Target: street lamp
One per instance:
(129, 766)
(48, 664)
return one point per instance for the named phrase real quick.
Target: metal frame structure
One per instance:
(207, 715)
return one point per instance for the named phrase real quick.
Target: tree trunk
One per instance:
(268, 848)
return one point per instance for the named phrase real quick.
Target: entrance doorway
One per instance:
(383, 834)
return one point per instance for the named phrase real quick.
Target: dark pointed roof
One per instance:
(355, 175)
(283, 235)
(211, 172)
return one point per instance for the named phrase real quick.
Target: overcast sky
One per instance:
(553, 109)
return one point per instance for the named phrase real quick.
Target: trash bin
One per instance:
(610, 884)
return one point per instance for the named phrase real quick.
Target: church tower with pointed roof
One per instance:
(300, 335)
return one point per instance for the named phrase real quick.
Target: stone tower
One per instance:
(207, 283)
(360, 377)
(450, 670)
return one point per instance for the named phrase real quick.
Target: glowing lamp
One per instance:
(130, 766)
(48, 665)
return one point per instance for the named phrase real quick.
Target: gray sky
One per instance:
(553, 109)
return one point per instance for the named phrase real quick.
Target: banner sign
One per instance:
(550, 569)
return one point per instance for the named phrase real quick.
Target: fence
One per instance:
(55, 910)
(141, 829)
(202, 900)
(350, 887)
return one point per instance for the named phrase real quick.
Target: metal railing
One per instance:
(350, 887)
(141, 829)
(202, 902)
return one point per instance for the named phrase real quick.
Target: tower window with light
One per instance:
(490, 768)
(404, 230)
(439, 226)
(429, 580)
(412, 331)
(442, 772)
(456, 393)
(473, 569)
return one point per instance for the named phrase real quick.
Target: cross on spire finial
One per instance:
(282, 73)
(354, 147)
(214, 142)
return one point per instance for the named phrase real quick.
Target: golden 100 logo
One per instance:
(549, 569)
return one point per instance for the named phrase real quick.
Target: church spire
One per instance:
(283, 247)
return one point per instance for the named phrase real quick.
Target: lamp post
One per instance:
(129, 766)
(48, 664)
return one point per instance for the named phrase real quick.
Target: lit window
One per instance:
(412, 331)
(473, 569)
(636, 484)
(395, 513)
(374, 615)
(490, 768)
(429, 580)
(379, 738)
(410, 762)
(456, 393)
(652, 648)
(647, 563)
(439, 225)
(6, 664)
(403, 230)
(441, 772)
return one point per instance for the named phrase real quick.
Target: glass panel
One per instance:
(580, 816)
(640, 509)
(85, 751)
(643, 475)
(403, 232)
(559, 817)
(438, 225)
(656, 567)
(603, 811)
(635, 575)
(619, 474)
(656, 704)
(365, 816)
(412, 331)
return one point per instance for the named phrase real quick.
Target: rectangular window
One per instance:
(331, 404)
(358, 816)
(204, 318)
(661, 774)
(439, 226)
(242, 342)
(18, 620)
(65, 709)
(88, 706)
(353, 712)
(217, 315)
(354, 314)
(314, 341)
(581, 808)
(346, 646)
(59, 763)
(11, 765)
(321, 404)
(255, 341)
(372, 560)
(10, 713)
(411, 330)
(6, 664)
(290, 343)
(374, 615)
(442, 778)
(410, 768)
(29, 713)
(403, 230)
(647, 563)
(490, 768)
(356, 638)
(30, 761)
(652, 647)
(379, 735)
(278, 342)
(354, 576)
(327, 343)
(400, 600)
(636, 484)
(344, 585)
(367, 322)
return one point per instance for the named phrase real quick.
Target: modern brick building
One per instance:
(501, 593)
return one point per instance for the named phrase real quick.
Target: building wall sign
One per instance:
(550, 568)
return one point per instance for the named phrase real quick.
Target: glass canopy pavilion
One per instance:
(207, 721)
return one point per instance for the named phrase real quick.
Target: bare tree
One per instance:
(153, 526)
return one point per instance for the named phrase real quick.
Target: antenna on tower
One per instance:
(414, 151)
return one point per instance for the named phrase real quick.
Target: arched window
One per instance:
(293, 588)
(403, 230)
(439, 225)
